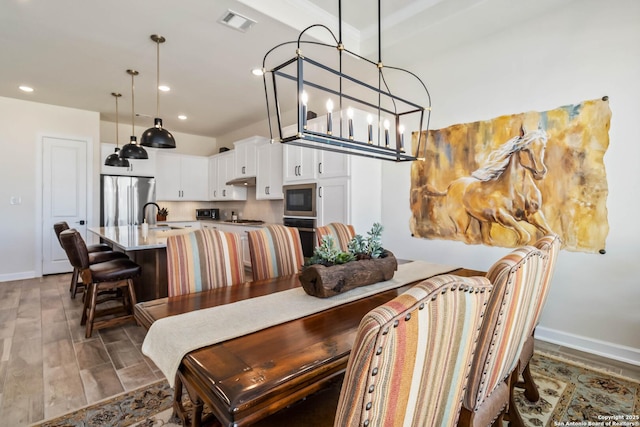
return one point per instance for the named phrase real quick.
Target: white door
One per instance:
(64, 196)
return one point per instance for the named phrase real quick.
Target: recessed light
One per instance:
(25, 88)
(257, 72)
(182, 117)
(164, 88)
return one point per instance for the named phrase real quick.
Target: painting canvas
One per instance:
(507, 181)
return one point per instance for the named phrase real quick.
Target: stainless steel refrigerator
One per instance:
(123, 197)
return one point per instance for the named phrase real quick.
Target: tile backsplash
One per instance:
(270, 211)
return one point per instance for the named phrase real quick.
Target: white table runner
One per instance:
(170, 339)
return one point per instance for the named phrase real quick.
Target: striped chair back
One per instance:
(549, 245)
(203, 259)
(341, 233)
(411, 356)
(275, 251)
(516, 278)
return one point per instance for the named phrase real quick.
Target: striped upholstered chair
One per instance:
(549, 245)
(275, 251)
(203, 259)
(411, 356)
(341, 233)
(515, 278)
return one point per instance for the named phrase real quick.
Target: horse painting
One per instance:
(503, 191)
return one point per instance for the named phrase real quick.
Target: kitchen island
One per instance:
(148, 250)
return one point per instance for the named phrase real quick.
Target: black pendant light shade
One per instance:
(157, 136)
(114, 158)
(132, 150)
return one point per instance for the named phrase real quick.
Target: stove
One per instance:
(244, 221)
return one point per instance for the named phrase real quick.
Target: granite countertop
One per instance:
(131, 238)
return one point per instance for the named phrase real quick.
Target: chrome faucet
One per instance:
(144, 212)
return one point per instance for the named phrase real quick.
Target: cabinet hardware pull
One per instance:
(319, 191)
(320, 167)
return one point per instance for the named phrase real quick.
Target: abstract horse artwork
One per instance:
(507, 180)
(503, 191)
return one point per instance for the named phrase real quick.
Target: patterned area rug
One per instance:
(569, 395)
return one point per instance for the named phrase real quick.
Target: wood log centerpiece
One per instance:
(326, 281)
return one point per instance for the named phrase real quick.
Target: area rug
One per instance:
(570, 394)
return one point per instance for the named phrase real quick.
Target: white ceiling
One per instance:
(75, 53)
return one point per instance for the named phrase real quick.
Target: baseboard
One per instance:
(17, 276)
(590, 345)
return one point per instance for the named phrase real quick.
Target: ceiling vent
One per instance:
(236, 21)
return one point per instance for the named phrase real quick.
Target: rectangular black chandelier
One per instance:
(332, 110)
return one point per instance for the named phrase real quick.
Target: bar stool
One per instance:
(97, 253)
(114, 275)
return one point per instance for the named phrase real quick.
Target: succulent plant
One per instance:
(163, 211)
(327, 253)
(369, 247)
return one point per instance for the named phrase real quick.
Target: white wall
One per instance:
(583, 50)
(185, 143)
(22, 124)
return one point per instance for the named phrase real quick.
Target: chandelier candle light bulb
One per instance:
(304, 98)
(370, 129)
(329, 110)
(350, 116)
(401, 130)
(386, 133)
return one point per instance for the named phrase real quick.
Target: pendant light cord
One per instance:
(117, 95)
(158, 78)
(133, 126)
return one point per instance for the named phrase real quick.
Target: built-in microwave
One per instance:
(300, 200)
(208, 213)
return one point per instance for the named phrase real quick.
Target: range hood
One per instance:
(249, 181)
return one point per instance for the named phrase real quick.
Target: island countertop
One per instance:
(131, 237)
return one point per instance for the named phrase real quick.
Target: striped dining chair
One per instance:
(203, 259)
(275, 251)
(341, 233)
(550, 247)
(411, 356)
(516, 278)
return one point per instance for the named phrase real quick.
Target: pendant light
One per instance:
(114, 158)
(132, 150)
(157, 136)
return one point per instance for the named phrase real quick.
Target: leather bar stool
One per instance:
(97, 253)
(114, 275)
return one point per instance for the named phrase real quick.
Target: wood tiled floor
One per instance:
(48, 368)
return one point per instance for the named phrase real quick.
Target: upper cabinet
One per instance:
(181, 177)
(245, 163)
(269, 173)
(221, 169)
(146, 167)
(299, 163)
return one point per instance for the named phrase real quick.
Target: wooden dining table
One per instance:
(247, 378)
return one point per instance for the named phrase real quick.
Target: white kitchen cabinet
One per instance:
(222, 166)
(181, 177)
(356, 199)
(333, 201)
(299, 163)
(269, 172)
(245, 163)
(137, 167)
(332, 165)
